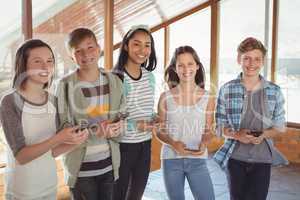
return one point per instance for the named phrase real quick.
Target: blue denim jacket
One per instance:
(229, 111)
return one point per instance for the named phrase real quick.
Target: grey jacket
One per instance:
(68, 114)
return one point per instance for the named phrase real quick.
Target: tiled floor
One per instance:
(285, 184)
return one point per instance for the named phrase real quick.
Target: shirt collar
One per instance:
(265, 83)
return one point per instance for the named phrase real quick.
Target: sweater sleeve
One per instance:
(12, 124)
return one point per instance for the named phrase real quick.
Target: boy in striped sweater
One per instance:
(91, 98)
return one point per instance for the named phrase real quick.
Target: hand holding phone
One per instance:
(255, 133)
(82, 125)
(120, 116)
(196, 152)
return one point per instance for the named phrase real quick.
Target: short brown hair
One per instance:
(79, 34)
(250, 44)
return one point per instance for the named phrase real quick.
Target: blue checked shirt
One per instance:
(229, 111)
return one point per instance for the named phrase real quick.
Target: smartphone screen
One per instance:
(256, 133)
(193, 150)
(120, 116)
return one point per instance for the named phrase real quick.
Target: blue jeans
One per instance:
(195, 171)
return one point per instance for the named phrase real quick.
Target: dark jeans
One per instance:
(94, 188)
(248, 181)
(134, 170)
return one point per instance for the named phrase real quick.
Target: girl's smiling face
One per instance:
(139, 48)
(186, 67)
(40, 65)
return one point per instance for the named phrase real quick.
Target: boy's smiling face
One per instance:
(251, 62)
(86, 54)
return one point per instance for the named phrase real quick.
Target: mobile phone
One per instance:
(155, 119)
(255, 133)
(193, 150)
(120, 116)
(82, 125)
(81, 128)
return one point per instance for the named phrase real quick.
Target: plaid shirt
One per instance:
(229, 111)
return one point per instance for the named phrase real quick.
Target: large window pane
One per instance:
(158, 37)
(237, 21)
(288, 71)
(10, 39)
(194, 31)
(53, 20)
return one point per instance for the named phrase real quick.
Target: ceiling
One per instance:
(90, 14)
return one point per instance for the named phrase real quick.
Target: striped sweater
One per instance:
(139, 97)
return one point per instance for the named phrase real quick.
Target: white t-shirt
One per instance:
(186, 124)
(38, 177)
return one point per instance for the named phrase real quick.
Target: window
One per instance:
(10, 20)
(10, 39)
(237, 21)
(160, 85)
(54, 20)
(183, 32)
(288, 59)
